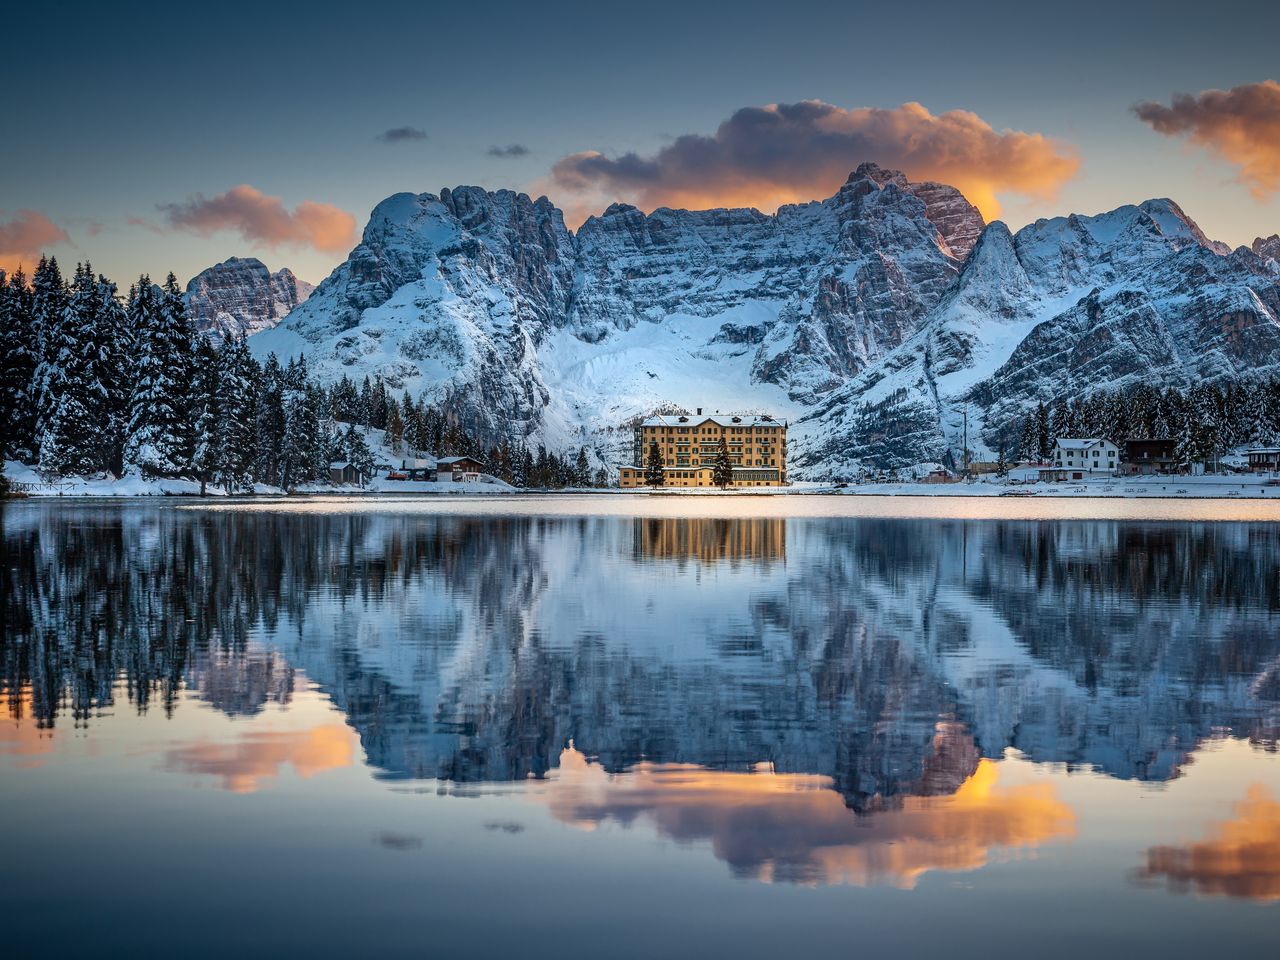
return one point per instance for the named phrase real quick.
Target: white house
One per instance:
(1079, 459)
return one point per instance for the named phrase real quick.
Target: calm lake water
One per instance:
(640, 727)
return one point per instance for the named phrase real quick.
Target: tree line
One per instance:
(1205, 422)
(94, 383)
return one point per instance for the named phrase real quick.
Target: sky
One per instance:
(149, 137)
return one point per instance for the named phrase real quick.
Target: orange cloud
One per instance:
(1240, 859)
(1241, 125)
(265, 220)
(24, 237)
(791, 152)
(795, 827)
(244, 764)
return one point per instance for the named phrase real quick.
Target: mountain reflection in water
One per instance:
(823, 700)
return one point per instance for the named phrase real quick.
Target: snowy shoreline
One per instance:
(1190, 488)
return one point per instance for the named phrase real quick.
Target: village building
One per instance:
(1082, 459)
(689, 445)
(459, 468)
(1263, 459)
(1146, 457)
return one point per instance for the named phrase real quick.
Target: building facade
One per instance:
(689, 444)
(1080, 459)
(1146, 457)
(1263, 459)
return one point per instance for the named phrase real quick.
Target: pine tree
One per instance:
(722, 466)
(1029, 441)
(1044, 434)
(654, 470)
(1002, 461)
(18, 357)
(356, 449)
(269, 425)
(581, 469)
(118, 354)
(48, 305)
(395, 426)
(159, 429)
(207, 459)
(237, 402)
(71, 439)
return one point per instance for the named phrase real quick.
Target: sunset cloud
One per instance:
(24, 237)
(264, 220)
(1241, 125)
(401, 135)
(791, 152)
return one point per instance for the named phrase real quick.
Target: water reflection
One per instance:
(1240, 859)
(877, 667)
(243, 764)
(794, 827)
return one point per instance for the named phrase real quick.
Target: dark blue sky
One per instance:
(117, 112)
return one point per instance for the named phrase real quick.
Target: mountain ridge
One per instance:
(819, 312)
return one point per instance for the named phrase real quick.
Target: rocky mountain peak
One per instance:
(958, 222)
(240, 297)
(1267, 247)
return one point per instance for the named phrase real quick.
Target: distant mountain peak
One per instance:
(240, 297)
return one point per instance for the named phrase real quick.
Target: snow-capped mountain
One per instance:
(873, 317)
(240, 297)
(1064, 307)
(489, 299)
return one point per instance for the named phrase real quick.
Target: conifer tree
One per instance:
(237, 401)
(48, 305)
(654, 472)
(581, 469)
(71, 439)
(395, 426)
(158, 431)
(269, 425)
(18, 355)
(722, 466)
(207, 459)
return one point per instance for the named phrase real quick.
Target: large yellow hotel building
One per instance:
(757, 445)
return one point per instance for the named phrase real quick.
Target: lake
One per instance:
(640, 727)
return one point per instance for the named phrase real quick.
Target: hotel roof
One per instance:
(723, 419)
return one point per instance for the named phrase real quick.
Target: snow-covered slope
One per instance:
(873, 318)
(240, 297)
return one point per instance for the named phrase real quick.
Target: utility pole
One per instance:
(965, 453)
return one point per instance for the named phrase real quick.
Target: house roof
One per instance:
(449, 461)
(723, 419)
(340, 464)
(1072, 443)
(1256, 450)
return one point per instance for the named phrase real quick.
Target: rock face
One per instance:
(240, 297)
(1065, 307)
(873, 318)
(1267, 247)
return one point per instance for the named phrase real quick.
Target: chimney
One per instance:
(699, 413)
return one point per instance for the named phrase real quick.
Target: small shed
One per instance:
(345, 473)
